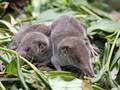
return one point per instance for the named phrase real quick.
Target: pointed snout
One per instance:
(88, 71)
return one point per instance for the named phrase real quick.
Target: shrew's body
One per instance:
(69, 45)
(25, 29)
(35, 45)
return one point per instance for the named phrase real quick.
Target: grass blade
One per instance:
(20, 73)
(2, 87)
(41, 75)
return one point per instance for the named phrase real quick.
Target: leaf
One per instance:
(60, 73)
(2, 86)
(14, 87)
(118, 42)
(59, 84)
(101, 12)
(114, 72)
(49, 15)
(106, 54)
(7, 57)
(99, 75)
(110, 80)
(11, 68)
(36, 7)
(79, 2)
(13, 21)
(66, 80)
(95, 87)
(32, 79)
(115, 88)
(3, 79)
(63, 74)
(3, 59)
(119, 62)
(104, 25)
(20, 73)
(115, 59)
(3, 7)
(11, 28)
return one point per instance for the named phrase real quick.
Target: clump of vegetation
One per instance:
(102, 28)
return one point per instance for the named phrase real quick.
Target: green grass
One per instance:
(104, 30)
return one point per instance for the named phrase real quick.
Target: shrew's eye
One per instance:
(27, 49)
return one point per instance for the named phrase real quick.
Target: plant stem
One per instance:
(90, 12)
(111, 51)
(20, 74)
(41, 75)
(2, 87)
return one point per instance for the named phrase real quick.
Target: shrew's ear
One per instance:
(40, 44)
(65, 49)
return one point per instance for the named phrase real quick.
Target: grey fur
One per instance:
(69, 32)
(27, 29)
(35, 45)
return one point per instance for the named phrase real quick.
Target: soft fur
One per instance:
(70, 45)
